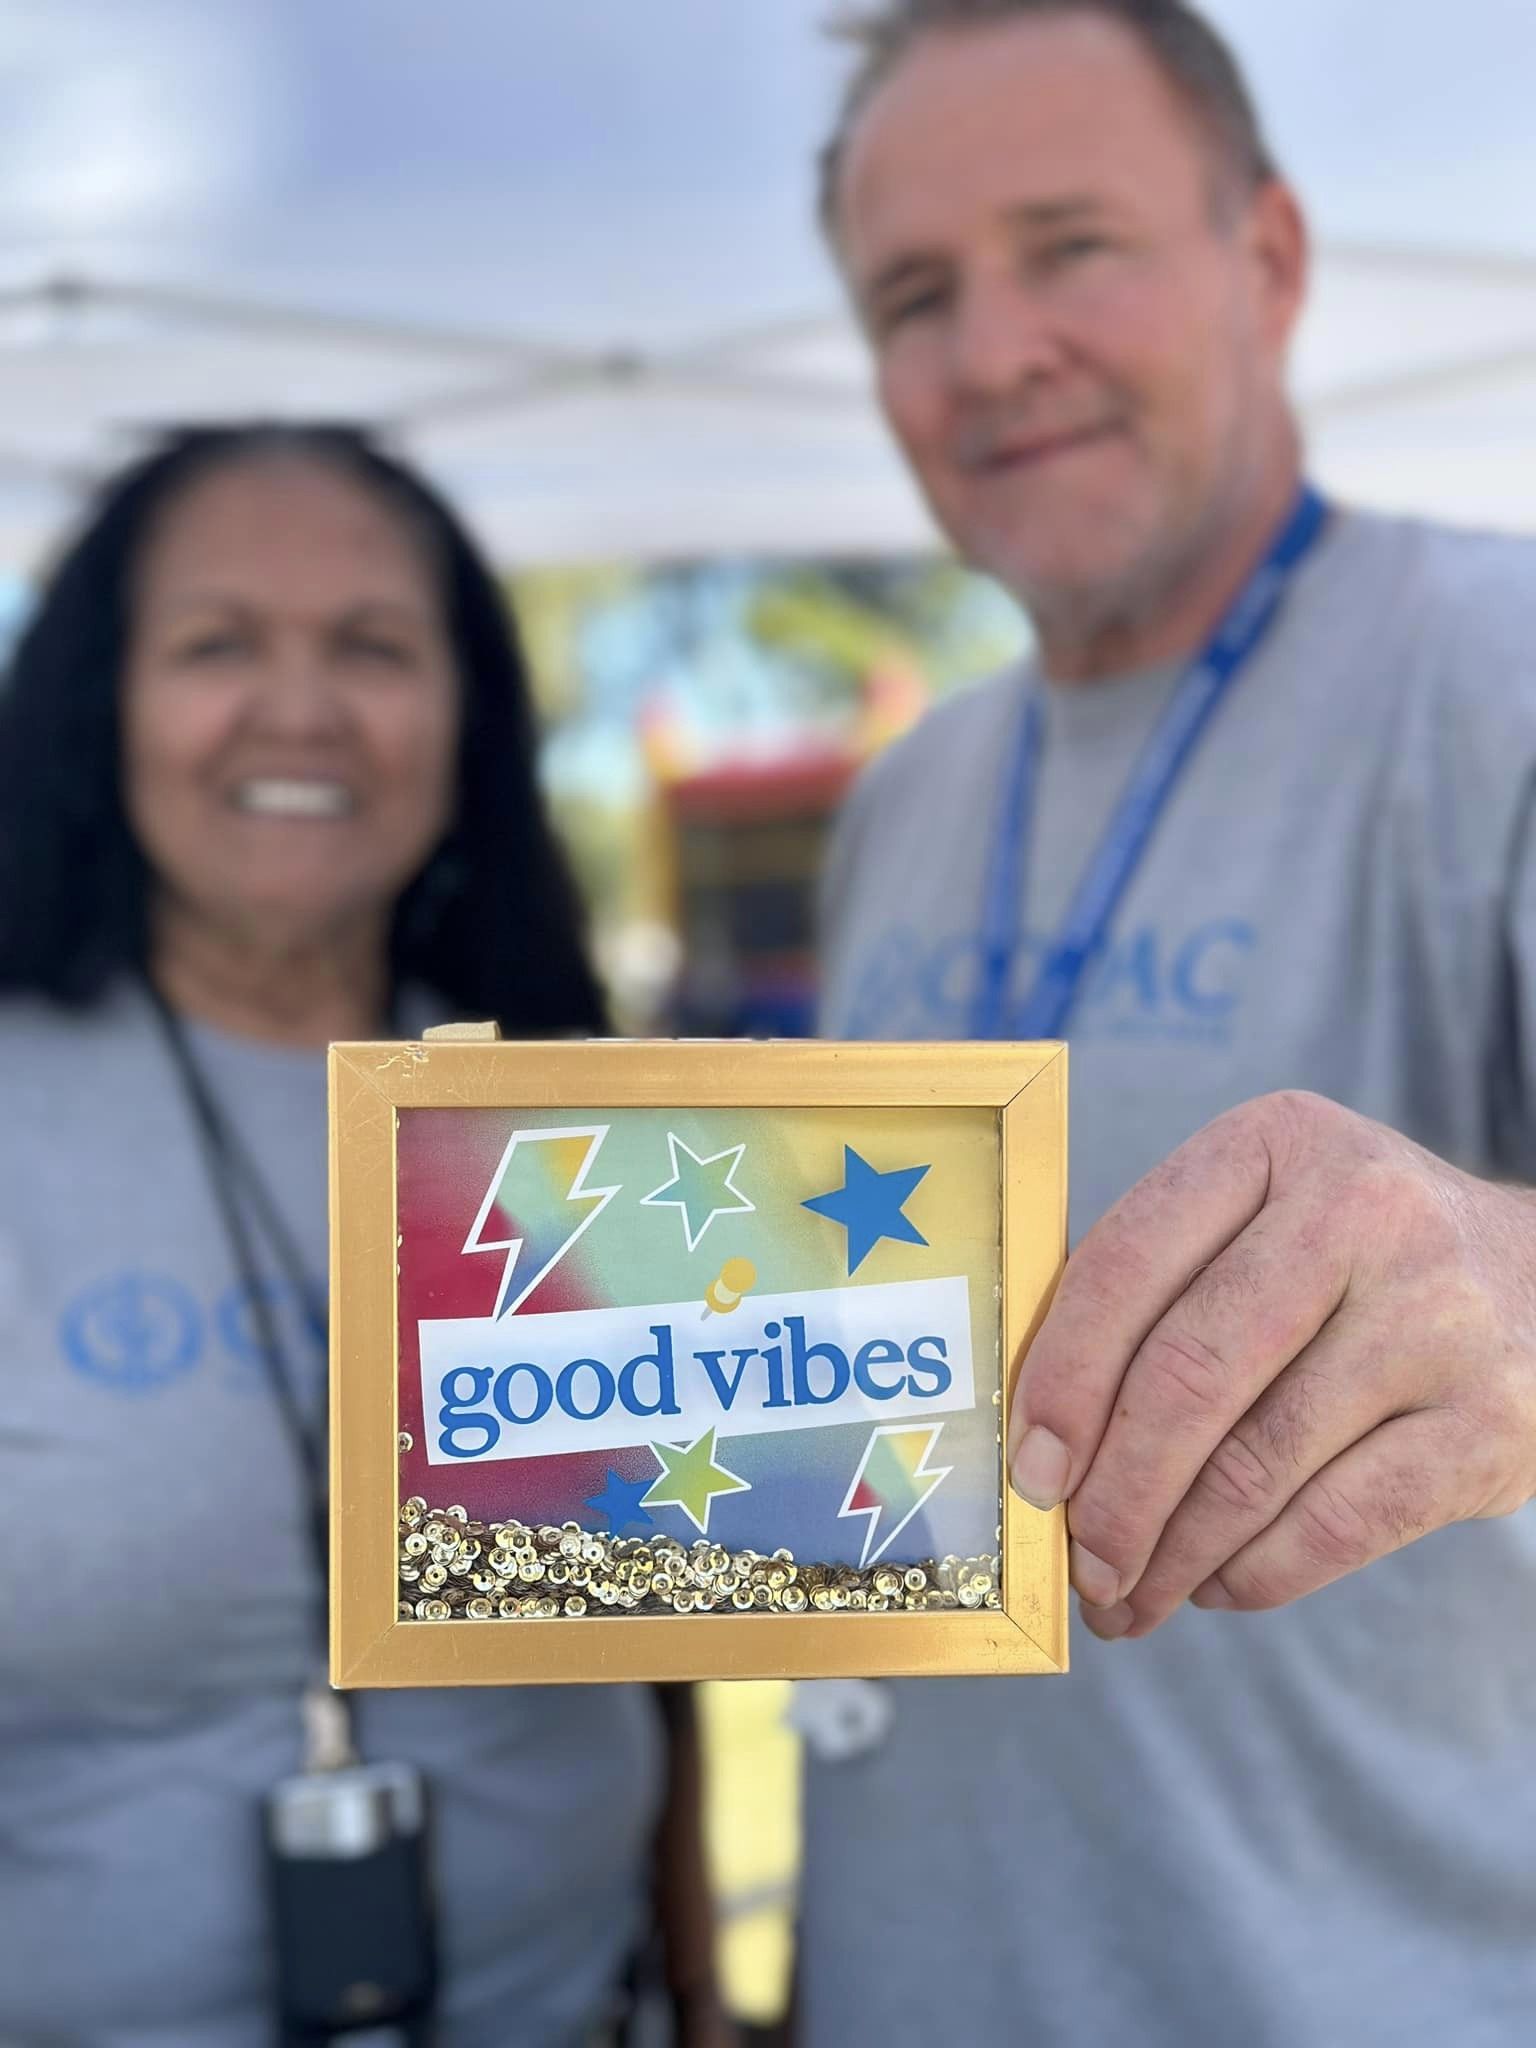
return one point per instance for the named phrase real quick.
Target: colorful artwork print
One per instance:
(681, 1360)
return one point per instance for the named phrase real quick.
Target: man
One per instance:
(1293, 751)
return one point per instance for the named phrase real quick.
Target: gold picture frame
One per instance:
(376, 1090)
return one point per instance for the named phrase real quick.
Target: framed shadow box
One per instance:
(688, 1360)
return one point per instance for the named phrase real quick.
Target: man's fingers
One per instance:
(1126, 1274)
(1295, 1347)
(1327, 1400)
(1413, 1474)
(1234, 1331)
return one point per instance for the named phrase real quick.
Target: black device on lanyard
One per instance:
(345, 1842)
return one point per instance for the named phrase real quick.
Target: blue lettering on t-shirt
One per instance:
(140, 1332)
(1127, 974)
(241, 1330)
(1149, 983)
(1206, 972)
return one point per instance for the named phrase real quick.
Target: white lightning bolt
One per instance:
(550, 1199)
(896, 1478)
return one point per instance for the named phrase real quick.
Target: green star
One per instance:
(691, 1479)
(701, 1188)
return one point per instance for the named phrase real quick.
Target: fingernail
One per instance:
(1109, 1624)
(1213, 1594)
(1040, 1468)
(1098, 1583)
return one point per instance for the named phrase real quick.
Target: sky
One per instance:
(601, 167)
(638, 174)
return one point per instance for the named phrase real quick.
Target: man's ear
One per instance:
(1279, 248)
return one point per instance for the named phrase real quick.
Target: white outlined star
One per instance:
(696, 1186)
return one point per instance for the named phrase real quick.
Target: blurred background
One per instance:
(565, 255)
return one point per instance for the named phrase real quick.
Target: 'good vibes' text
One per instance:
(600, 1379)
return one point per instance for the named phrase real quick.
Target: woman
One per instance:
(266, 780)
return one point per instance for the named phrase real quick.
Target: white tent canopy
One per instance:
(565, 254)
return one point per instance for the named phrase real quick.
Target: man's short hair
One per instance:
(1193, 58)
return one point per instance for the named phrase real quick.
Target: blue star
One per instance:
(869, 1206)
(620, 1501)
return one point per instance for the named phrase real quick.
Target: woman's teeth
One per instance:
(280, 797)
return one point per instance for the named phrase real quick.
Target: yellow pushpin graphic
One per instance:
(735, 1278)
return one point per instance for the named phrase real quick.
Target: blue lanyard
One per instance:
(1045, 1010)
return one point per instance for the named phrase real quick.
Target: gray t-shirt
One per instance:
(1308, 1829)
(160, 1613)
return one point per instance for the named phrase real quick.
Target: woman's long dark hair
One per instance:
(491, 925)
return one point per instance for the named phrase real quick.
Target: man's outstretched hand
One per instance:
(1296, 1346)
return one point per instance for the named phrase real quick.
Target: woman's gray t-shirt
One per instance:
(160, 1611)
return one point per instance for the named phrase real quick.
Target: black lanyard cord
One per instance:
(236, 1165)
(230, 1169)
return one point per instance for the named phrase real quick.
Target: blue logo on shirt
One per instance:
(134, 1331)
(139, 1332)
(1146, 984)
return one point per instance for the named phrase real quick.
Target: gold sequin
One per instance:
(473, 1571)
